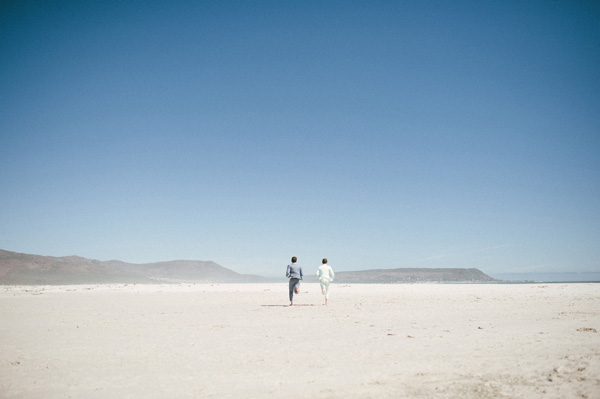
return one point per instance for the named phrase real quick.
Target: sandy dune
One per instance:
(242, 341)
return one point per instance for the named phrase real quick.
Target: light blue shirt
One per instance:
(294, 271)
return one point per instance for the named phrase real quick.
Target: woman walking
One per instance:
(325, 275)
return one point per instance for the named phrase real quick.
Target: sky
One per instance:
(378, 134)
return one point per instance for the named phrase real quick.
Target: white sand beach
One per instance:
(243, 341)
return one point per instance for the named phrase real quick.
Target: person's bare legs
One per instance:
(325, 290)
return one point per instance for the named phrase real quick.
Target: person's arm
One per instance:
(331, 273)
(301, 273)
(287, 272)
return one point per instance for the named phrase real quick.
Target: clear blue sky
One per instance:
(378, 134)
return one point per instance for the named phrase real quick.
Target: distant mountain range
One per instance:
(408, 275)
(17, 268)
(26, 269)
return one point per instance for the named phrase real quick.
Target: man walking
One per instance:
(294, 273)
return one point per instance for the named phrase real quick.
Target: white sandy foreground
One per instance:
(243, 341)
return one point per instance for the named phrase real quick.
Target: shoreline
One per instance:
(283, 282)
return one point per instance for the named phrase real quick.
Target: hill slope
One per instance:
(17, 268)
(411, 275)
(25, 269)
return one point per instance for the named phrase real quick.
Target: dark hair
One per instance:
(324, 260)
(294, 259)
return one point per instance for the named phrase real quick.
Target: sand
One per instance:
(243, 341)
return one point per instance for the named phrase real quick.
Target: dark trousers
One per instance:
(294, 282)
